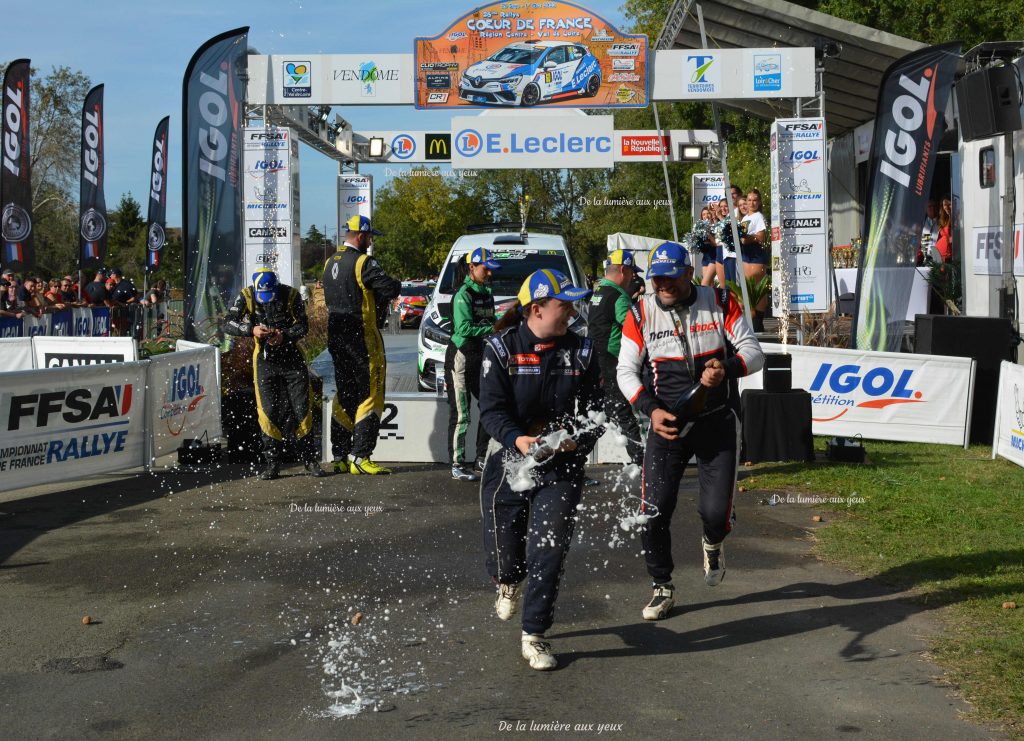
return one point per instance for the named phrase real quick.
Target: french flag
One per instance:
(92, 251)
(13, 252)
(152, 260)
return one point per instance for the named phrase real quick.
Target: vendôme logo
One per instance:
(837, 387)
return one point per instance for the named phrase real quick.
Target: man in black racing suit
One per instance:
(355, 286)
(683, 346)
(274, 315)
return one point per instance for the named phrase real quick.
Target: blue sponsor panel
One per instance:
(83, 322)
(101, 322)
(10, 327)
(801, 298)
(62, 324)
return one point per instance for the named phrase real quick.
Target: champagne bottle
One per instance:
(694, 401)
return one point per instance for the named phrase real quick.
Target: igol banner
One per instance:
(92, 206)
(908, 125)
(16, 174)
(212, 101)
(156, 219)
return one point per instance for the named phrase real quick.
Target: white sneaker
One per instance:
(538, 652)
(661, 603)
(507, 602)
(714, 562)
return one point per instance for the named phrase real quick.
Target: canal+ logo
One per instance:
(403, 146)
(838, 387)
(468, 143)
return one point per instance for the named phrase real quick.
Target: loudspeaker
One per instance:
(778, 373)
(989, 341)
(988, 103)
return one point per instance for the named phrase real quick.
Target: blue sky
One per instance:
(139, 50)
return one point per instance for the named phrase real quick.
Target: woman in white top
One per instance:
(755, 257)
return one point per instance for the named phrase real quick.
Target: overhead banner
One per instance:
(881, 396)
(527, 54)
(212, 100)
(708, 189)
(156, 220)
(66, 423)
(270, 163)
(92, 206)
(801, 256)
(16, 174)
(1008, 435)
(733, 74)
(908, 125)
(183, 396)
(355, 198)
(331, 79)
(517, 142)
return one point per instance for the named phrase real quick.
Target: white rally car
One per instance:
(529, 72)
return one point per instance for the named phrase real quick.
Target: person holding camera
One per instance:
(683, 347)
(273, 314)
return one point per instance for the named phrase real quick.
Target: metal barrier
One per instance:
(134, 320)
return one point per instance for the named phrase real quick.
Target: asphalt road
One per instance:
(223, 607)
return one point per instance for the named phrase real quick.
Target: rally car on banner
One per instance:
(530, 72)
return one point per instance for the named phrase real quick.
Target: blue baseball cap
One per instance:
(550, 284)
(623, 257)
(264, 285)
(480, 256)
(361, 224)
(668, 260)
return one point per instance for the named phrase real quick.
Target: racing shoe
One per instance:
(538, 652)
(478, 465)
(661, 603)
(313, 469)
(270, 472)
(507, 602)
(341, 465)
(368, 467)
(714, 562)
(461, 473)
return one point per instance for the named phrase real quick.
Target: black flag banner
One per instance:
(15, 173)
(92, 207)
(156, 219)
(212, 101)
(909, 123)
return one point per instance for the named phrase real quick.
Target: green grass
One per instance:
(947, 523)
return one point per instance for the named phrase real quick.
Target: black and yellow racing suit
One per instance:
(280, 374)
(354, 284)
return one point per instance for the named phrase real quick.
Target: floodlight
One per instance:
(691, 152)
(376, 146)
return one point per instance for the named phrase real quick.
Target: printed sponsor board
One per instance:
(522, 55)
(881, 396)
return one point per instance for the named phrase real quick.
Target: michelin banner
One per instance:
(1008, 436)
(270, 161)
(66, 423)
(184, 398)
(801, 259)
(881, 395)
(526, 54)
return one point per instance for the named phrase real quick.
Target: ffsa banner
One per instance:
(16, 174)
(270, 162)
(355, 198)
(908, 125)
(800, 248)
(66, 423)
(708, 189)
(525, 54)
(213, 102)
(92, 206)
(156, 219)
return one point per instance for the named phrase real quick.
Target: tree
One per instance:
(126, 241)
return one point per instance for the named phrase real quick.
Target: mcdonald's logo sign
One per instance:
(439, 146)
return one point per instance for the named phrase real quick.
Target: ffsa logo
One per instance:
(78, 405)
